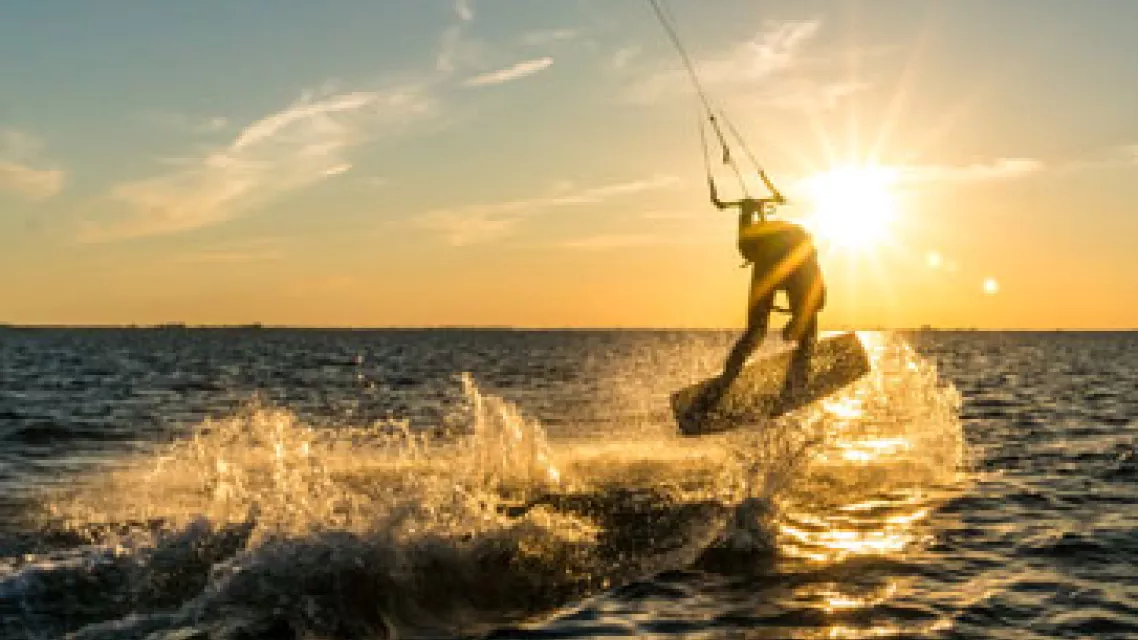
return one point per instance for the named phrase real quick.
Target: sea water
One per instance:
(356, 484)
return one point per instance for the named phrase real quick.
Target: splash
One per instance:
(323, 524)
(883, 452)
(264, 466)
(262, 520)
(901, 419)
(508, 448)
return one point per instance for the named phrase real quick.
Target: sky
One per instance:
(372, 163)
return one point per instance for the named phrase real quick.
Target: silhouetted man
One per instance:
(783, 258)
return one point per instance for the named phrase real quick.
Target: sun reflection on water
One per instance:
(837, 541)
(890, 447)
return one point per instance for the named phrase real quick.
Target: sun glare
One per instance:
(853, 206)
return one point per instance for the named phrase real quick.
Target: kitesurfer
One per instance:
(782, 258)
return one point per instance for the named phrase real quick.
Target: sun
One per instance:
(852, 207)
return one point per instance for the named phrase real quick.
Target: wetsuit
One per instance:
(784, 259)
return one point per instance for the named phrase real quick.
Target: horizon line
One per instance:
(257, 326)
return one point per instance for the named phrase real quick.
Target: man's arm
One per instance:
(776, 195)
(719, 204)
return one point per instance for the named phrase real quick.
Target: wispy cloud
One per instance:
(459, 52)
(1112, 157)
(253, 250)
(511, 73)
(184, 122)
(296, 147)
(456, 50)
(483, 222)
(28, 182)
(685, 214)
(606, 242)
(1003, 168)
(214, 124)
(464, 10)
(448, 49)
(775, 49)
(19, 145)
(624, 56)
(548, 36)
(810, 95)
(771, 51)
(22, 169)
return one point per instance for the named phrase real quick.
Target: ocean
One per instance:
(177, 484)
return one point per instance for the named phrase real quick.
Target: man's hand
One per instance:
(714, 195)
(775, 193)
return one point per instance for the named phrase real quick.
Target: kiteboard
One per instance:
(758, 393)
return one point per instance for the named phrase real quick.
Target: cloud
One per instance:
(254, 250)
(18, 145)
(484, 222)
(774, 50)
(687, 214)
(624, 56)
(463, 10)
(22, 169)
(548, 36)
(338, 169)
(455, 49)
(215, 123)
(462, 230)
(615, 241)
(28, 182)
(925, 175)
(1116, 156)
(514, 72)
(294, 148)
(186, 123)
(771, 51)
(1003, 168)
(305, 112)
(804, 94)
(448, 43)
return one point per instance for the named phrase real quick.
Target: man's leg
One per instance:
(759, 307)
(760, 302)
(807, 295)
(798, 375)
(758, 320)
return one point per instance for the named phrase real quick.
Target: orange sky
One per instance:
(483, 164)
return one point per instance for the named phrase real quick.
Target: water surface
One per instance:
(272, 483)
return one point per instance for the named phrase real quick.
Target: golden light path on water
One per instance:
(871, 487)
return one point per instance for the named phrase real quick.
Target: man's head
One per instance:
(756, 208)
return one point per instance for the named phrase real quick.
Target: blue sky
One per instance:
(536, 163)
